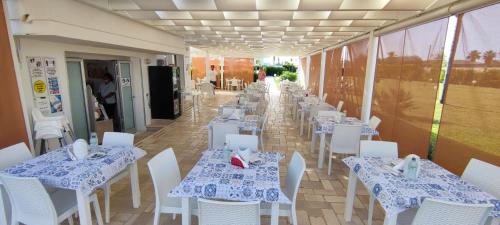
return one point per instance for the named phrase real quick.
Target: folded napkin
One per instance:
(236, 160)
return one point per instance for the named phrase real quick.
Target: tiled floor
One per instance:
(321, 197)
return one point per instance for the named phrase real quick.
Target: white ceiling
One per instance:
(267, 27)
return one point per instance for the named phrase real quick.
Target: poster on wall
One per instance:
(45, 84)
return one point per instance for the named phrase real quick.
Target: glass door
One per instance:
(127, 97)
(77, 96)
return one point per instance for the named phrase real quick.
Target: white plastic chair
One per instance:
(483, 175)
(262, 127)
(339, 106)
(11, 156)
(314, 112)
(114, 138)
(437, 212)
(219, 132)
(323, 99)
(234, 141)
(374, 122)
(226, 111)
(207, 89)
(345, 140)
(382, 149)
(296, 169)
(166, 175)
(32, 204)
(228, 213)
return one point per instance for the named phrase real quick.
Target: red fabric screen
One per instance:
(314, 73)
(333, 73)
(239, 68)
(354, 77)
(470, 123)
(198, 69)
(408, 69)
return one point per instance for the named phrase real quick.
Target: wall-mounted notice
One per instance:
(45, 84)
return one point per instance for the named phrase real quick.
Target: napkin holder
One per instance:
(404, 166)
(80, 149)
(236, 160)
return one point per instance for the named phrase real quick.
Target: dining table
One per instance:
(396, 193)
(56, 169)
(247, 106)
(246, 123)
(213, 177)
(323, 125)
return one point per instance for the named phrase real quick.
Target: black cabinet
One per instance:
(165, 92)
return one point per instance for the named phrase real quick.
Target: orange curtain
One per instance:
(198, 69)
(333, 73)
(354, 77)
(314, 73)
(470, 123)
(216, 63)
(407, 76)
(239, 68)
(11, 112)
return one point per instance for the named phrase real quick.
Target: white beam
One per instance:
(322, 73)
(371, 63)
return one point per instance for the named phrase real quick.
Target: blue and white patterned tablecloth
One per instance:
(249, 107)
(55, 169)
(307, 105)
(214, 177)
(396, 193)
(327, 125)
(249, 123)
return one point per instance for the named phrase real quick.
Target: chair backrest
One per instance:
(330, 113)
(165, 174)
(118, 138)
(383, 149)
(207, 88)
(436, 212)
(219, 132)
(483, 175)
(324, 97)
(345, 139)
(263, 122)
(31, 204)
(339, 105)
(228, 213)
(296, 169)
(374, 122)
(315, 109)
(234, 141)
(226, 111)
(14, 154)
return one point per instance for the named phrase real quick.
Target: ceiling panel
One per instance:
(243, 23)
(347, 15)
(389, 15)
(216, 23)
(195, 4)
(277, 4)
(311, 15)
(246, 15)
(304, 23)
(366, 4)
(235, 5)
(274, 23)
(319, 4)
(275, 15)
(326, 28)
(207, 15)
(335, 23)
(156, 4)
(274, 28)
(142, 15)
(299, 28)
(174, 15)
(187, 22)
(409, 5)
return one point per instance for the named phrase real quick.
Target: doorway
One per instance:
(101, 93)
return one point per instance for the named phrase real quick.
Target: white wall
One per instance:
(27, 46)
(79, 21)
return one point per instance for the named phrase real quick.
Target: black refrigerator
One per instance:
(165, 92)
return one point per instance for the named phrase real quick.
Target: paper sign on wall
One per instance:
(45, 84)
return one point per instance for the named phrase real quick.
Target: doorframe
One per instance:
(84, 89)
(119, 74)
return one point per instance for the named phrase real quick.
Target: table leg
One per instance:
(3, 215)
(301, 122)
(351, 193)
(83, 208)
(313, 141)
(275, 213)
(186, 212)
(210, 138)
(134, 185)
(321, 156)
(391, 220)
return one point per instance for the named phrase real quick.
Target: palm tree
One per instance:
(488, 57)
(474, 55)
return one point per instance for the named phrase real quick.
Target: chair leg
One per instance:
(329, 163)
(156, 219)
(173, 216)
(261, 142)
(107, 197)
(371, 204)
(294, 215)
(97, 211)
(70, 220)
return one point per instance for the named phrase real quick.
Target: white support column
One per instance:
(222, 73)
(322, 73)
(371, 64)
(308, 67)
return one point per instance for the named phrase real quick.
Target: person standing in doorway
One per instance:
(262, 73)
(212, 75)
(107, 91)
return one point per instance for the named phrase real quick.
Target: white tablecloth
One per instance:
(327, 125)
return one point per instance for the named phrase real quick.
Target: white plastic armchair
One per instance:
(228, 213)
(32, 204)
(345, 140)
(437, 212)
(109, 139)
(296, 169)
(166, 175)
(235, 141)
(219, 132)
(339, 106)
(382, 149)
